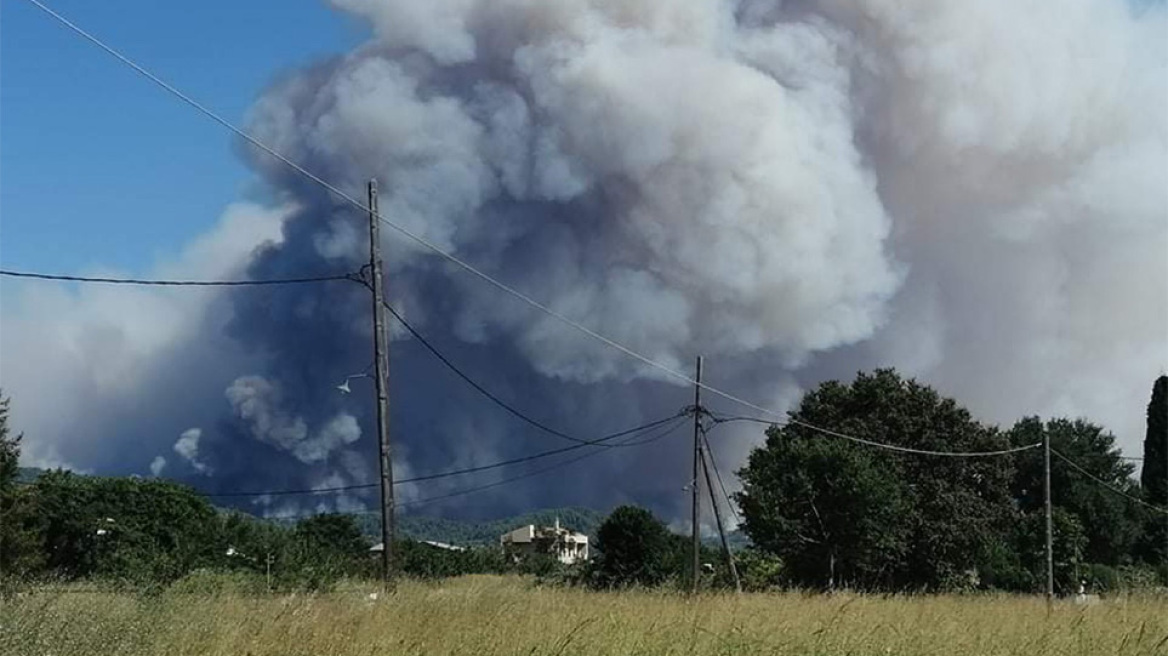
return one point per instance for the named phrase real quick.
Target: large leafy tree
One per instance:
(839, 511)
(828, 509)
(138, 529)
(635, 548)
(1110, 524)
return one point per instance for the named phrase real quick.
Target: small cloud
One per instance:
(157, 465)
(187, 446)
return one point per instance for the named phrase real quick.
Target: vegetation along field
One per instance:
(511, 615)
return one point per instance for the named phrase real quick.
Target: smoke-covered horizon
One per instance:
(973, 193)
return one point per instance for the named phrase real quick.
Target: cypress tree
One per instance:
(1154, 477)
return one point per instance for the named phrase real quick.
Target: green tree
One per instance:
(18, 553)
(635, 549)
(143, 530)
(331, 545)
(9, 449)
(826, 508)
(1111, 524)
(840, 512)
(1154, 476)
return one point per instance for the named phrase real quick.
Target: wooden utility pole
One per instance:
(695, 574)
(721, 529)
(381, 360)
(1049, 523)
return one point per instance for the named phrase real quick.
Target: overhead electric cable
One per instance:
(661, 435)
(348, 198)
(881, 445)
(1107, 485)
(492, 397)
(175, 283)
(459, 472)
(718, 475)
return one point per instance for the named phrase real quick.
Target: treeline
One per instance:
(148, 532)
(821, 511)
(842, 513)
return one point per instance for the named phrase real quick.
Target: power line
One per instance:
(659, 436)
(175, 283)
(662, 434)
(469, 381)
(459, 472)
(397, 228)
(881, 445)
(718, 475)
(1107, 485)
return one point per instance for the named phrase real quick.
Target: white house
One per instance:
(565, 545)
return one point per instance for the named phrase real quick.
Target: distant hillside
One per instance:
(28, 474)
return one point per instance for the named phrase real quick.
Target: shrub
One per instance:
(758, 570)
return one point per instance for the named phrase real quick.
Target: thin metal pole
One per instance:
(721, 530)
(696, 486)
(1049, 523)
(381, 359)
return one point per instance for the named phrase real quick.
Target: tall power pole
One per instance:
(1049, 524)
(696, 486)
(721, 529)
(381, 360)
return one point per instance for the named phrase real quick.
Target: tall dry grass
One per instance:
(497, 615)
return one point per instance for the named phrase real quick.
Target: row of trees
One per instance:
(842, 513)
(820, 511)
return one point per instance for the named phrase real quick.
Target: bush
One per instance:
(1102, 579)
(758, 570)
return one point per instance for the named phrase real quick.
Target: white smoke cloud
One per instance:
(187, 446)
(973, 192)
(75, 356)
(257, 404)
(733, 213)
(157, 465)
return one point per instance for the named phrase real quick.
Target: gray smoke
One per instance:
(973, 192)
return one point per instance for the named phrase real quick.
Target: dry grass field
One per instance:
(497, 615)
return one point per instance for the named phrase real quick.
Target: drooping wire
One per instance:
(482, 390)
(1107, 485)
(394, 226)
(718, 474)
(666, 431)
(882, 445)
(458, 472)
(175, 283)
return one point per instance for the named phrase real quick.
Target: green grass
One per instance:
(507, 615)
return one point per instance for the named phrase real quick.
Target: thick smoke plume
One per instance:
(973, 192)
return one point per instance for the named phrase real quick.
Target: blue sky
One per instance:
(99, 167)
